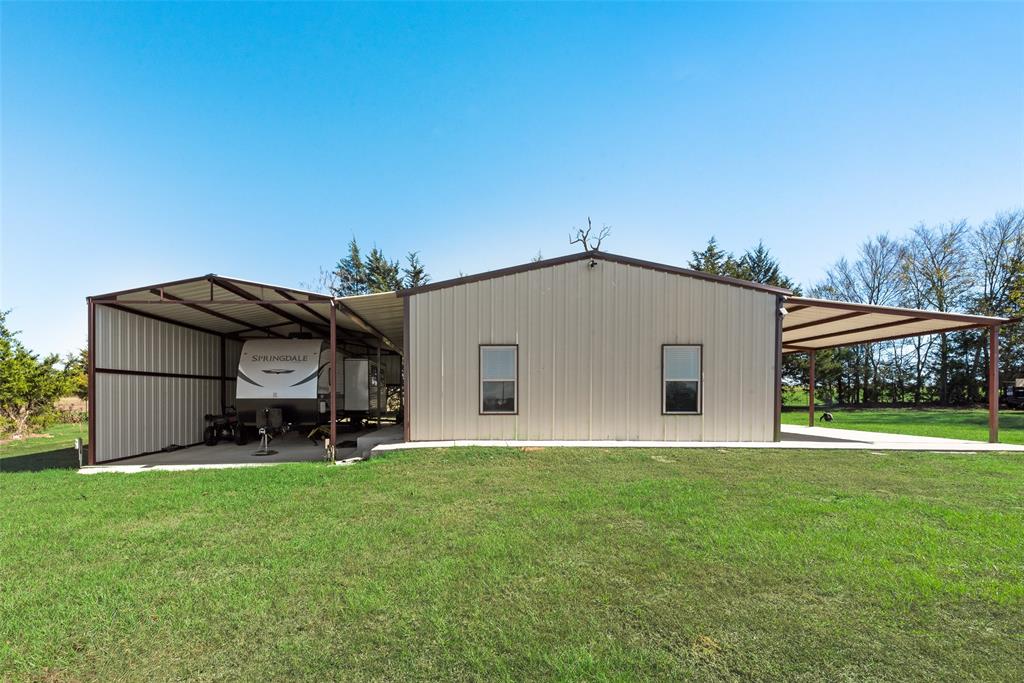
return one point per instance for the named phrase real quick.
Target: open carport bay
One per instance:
(164, 357)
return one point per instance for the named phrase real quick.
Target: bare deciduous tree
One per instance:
(583, 238)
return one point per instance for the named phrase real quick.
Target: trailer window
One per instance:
(499, 377)
(681, 379)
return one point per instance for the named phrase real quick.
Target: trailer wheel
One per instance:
(210, 436)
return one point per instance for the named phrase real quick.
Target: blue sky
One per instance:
(149, 142)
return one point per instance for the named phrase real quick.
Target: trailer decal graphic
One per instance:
(242, 375)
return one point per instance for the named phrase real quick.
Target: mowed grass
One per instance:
(56, 448)
(949, 423)
(498, 563)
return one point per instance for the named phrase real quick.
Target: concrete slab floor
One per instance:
(291, 447)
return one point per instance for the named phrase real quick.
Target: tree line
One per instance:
(354, 274)
(952, 267)
(30, 384)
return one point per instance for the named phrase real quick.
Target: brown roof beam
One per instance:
(272, 307)
(169, 321)
(364, 323)
(858, 330)
(908, 335)
(303, 306)
(893, 310)
(825, 321)
(216, 314)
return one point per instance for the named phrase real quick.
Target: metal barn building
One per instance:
(590, 346)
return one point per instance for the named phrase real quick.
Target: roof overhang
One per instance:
(812, 324)
(243, 309)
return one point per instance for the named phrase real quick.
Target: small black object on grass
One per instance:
(826, 417)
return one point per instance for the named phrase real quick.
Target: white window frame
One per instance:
(514, 379)
(699, 379)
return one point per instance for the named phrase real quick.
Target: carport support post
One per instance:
(91, 381)
(334, 376)
(810, 389)
(378, 383)
(993, 384)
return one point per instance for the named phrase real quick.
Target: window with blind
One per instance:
(680, 379)
(499, 379)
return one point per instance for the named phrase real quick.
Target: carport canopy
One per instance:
(244, 309)
(810, 325)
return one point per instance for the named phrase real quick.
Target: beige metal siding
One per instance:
(590, 355)
(138, 414)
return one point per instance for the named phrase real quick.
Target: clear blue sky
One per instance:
(148, 142)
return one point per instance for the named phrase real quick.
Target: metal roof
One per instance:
(824, 324)
(246, 309)
(600, 256)
(384, 311)
(242, 308)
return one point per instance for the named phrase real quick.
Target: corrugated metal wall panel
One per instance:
(232, 352)
(590, 355)
(125, 341)
(138, 414)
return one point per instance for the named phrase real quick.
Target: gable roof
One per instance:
(600, 256)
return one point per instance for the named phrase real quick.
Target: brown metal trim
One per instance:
(261, 328)
(777, 430)
(700, 383)
(597, 255)
(823, 321)
(379, 383)
(794, 309)
(303, 306)
(361, 321)
(334, 377)
(889, 338)
(858, 330)
(993, 384)
(892, 310)
(406, 372)
(161, 319)
(159, 285)
(315, 296)
(246, 326)
(270, 306)
(91, 379)
(148, 373)
(786, 349)
(480, 379)
(810, 388)
(223, 377)
(212, 302)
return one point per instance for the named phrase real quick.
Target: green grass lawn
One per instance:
(471, 563)
(950, 423)
(56, 449)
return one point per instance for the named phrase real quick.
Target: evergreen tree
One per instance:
(758, 265)
(350, 273)
(715, 260)
(414, 274)
(382, 275)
